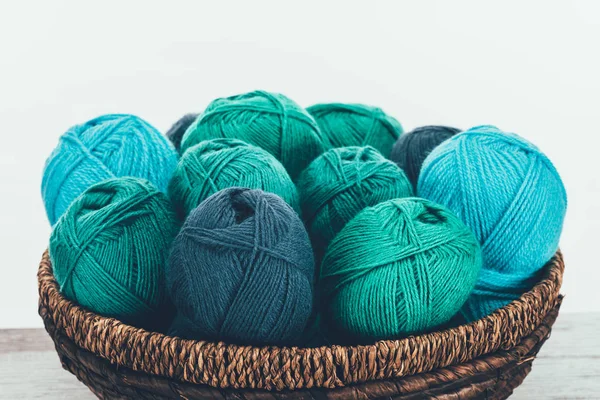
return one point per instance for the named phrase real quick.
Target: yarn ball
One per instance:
(110, 247)
(401, 267)
(175, 133)
(267, 120)
(106, 147)
(411, 149)
(217, 164)
(356, 125)
(340, 183)
(508, 192)
(241, 270)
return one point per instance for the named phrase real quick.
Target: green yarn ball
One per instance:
(267, 120)
(109, 249)
(342, 182)
(401, 267)
(217, 164)
(356, 125)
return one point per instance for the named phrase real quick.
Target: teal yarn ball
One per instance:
(356, 125)
(106, 147)
(241, 270)
(217, 164)
(110, 247)
(509, 193)
(342, 182)
(267, 120)
(401, 267)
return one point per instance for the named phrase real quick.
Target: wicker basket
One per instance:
(486, 359)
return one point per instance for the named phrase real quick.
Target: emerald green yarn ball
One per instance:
(267, 120)
(356, 125)
(218, 164)
(401, 267)
(109, 249)
(342, 182)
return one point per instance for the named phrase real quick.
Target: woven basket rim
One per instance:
(224, 365)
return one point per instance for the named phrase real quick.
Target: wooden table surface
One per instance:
(567, 367)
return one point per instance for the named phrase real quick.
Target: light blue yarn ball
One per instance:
(508, 192)
(109, 146)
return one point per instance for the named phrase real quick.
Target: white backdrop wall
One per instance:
(527, 67)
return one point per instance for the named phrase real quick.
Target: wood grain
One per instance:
(567, 367)
(30, 368)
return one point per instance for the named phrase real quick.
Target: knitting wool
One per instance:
(356, 125)
(508, 192)
(217, 164)
(241, 270)
(106, 147)
(109, 250)
(411, 149)
(401, 267)
(267, 120)
(340, 183)
(175, 133)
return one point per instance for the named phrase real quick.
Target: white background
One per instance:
(528, 67)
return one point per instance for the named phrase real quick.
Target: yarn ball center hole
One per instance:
(242, 209)
(432, 215)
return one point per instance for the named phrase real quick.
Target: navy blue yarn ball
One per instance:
(241, 270)
(175, 133)
(411, 149)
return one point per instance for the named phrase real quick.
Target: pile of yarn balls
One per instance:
(259, 222)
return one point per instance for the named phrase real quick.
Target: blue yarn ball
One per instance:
(176, 131)
(508, 192)
(241, 270)
(109, 146)
(411, 149)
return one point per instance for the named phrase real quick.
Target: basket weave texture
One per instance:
(485, 359)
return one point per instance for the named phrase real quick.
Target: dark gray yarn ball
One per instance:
(176, 132)
(241, 270)
(411, 149)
